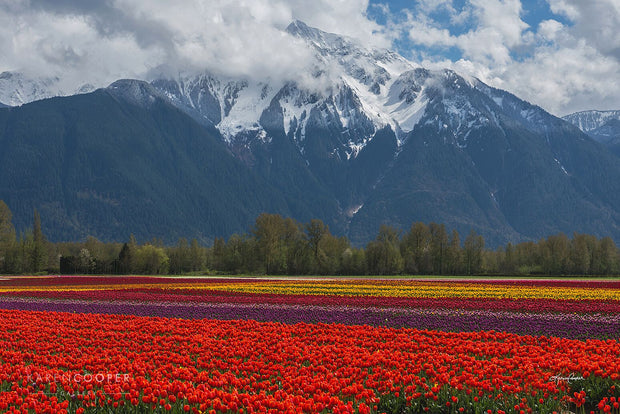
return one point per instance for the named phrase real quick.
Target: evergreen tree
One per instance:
(38, 257)
(126, 258)
(7, 236)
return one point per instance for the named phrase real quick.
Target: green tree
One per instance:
(126, 257)
(438, 247)
(353, 262)
(179, 257)
(197, 256)
(528, 257)
(325, 248)
(151, 260)
(607, 263)
(581, 252)
(236, 254)
(383, 254)
(7, 236)
(299, 257)
(218, 252)
(315, 230)
(86, 262)
(509, 263)
(331, 250)
(269, 231)
(472, 253)
(38, 257)
(416, 250)
(454, 255)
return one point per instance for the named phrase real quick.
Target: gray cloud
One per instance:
(99, 41)
(110, 21)
(560, 67)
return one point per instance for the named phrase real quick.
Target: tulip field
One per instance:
(204, 345)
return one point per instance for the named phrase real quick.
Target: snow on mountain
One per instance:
(353, 92)
(590, 120)
(350, 90)
(234, 106)
(17, 89)
(357, 90)
(602, 126)
(530, 116)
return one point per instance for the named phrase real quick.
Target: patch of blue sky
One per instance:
(456, 17)
(536, 11)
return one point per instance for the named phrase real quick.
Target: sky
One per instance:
(563, 55)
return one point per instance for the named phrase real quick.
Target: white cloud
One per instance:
(562, 68)
(101, 41)
(550, 29)
(596, 21)
(565, 8)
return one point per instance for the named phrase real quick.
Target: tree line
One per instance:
(277, 245)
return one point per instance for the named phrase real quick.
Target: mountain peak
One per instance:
(325, 42)
(297, 27)
(135, 91)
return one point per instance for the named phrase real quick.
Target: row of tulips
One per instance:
(560, 322)
(499, 306)
(569, 290)
(64, 362)
(419, 290)
(160, 295)
(569, 325)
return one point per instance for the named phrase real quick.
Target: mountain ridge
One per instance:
(602, 126)
(382, 140)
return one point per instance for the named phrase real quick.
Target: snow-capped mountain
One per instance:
(377, 119)
(18, 89)
(368, 89)
(363, 137)
(359, 96)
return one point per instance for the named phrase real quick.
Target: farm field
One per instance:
(155, 344)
